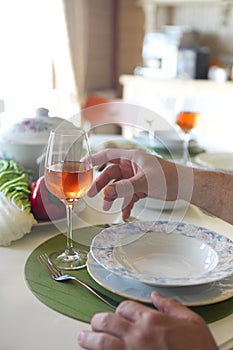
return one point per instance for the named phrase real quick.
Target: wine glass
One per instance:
(187, 119)
(68, 175)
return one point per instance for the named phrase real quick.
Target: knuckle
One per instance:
(99, 321)
(125, 304)
(151, 318)
(171, 302)
(106, 320)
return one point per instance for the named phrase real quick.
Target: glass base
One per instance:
(69, 259)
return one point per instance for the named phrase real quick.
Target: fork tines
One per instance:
(48, 265)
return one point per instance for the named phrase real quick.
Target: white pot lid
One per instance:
(33, 130)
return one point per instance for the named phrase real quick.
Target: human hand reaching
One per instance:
(132, 175)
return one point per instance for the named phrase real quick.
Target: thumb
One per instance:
(173, 308)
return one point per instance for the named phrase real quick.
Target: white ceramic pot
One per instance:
(25, 154)
(25, 141)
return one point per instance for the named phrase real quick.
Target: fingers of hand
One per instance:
(136, 185)
(112, 172)
(173, 308)
(119, 189)
(110, 323)
(107, 204)
(132, 311)
(128, 204)
(106, 156)
(99, 341)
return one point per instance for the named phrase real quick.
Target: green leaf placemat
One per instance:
(68, 298)
(73, 300)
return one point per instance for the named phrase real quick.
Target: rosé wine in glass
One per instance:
(68, 176)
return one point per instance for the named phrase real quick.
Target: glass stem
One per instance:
(69, 241)
(186, 148)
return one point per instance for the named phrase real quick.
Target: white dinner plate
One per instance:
(218, 161)
(157, 204)
(190, 296)
(164, 253)
(116, 141)
(166, 139)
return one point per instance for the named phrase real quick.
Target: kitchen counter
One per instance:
(214, 101)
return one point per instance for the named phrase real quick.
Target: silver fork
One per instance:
(59, 276)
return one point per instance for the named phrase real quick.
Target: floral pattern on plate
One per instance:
(118, 249)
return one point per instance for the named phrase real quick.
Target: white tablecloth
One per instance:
(28, 324)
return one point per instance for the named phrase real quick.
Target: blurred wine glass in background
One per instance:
(187, 118)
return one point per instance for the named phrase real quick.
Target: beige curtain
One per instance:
(69, 51)
(76, 15)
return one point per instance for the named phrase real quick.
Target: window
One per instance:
(31, 33)
(25, 59)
